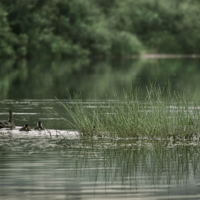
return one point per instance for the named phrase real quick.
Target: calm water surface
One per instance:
(44, 167)
(47, 79)
(65, 166)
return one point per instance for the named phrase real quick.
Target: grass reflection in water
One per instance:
(127, 161)
(102, 167)
(132, 162)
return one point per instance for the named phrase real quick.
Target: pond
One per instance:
(59, 164)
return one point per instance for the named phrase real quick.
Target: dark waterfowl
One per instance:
(39, 126)
(9, 123)
(2, 125)
(25, 128)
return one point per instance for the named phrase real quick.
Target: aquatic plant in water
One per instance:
(159, 114)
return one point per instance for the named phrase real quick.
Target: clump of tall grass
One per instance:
(159, 114)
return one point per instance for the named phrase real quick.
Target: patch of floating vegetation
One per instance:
(34, 144)
(160, 115)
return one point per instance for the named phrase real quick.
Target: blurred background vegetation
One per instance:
(60, 28)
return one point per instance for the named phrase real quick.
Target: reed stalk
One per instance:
(159, 114)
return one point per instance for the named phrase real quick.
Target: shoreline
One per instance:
(161, 56)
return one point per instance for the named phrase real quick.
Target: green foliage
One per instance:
(58, 28)
(7, 38)
(88, 28)
(153, 118)
(162, 26)
(125, 43)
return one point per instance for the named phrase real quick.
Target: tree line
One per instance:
(60, 28)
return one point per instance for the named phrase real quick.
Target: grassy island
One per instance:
(157, 115)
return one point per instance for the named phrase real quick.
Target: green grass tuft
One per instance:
(159, 114)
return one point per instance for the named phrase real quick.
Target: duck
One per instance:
(25, 128)
(9, 123)
(2, 125)
(39, 126)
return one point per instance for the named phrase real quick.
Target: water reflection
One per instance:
(82, 169)
(93, 78)
(77, 168)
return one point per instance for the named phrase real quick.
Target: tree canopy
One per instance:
(62, 28)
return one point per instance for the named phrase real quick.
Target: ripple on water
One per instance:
(58, 164)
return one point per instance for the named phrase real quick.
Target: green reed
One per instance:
(159, 114)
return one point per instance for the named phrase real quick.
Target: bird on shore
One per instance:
(9, 123)
(39, 126)
(25, 128)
